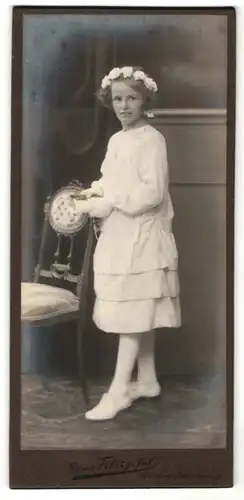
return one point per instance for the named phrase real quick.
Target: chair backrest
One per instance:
(61, 219)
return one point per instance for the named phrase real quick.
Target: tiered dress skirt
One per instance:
(134, 301)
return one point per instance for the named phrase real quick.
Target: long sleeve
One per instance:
(97, 185)
(153, 174)
(96, 204)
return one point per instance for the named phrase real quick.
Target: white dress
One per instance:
(135, 261)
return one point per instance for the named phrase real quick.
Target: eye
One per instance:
(116, 98)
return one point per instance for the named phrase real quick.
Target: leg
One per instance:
(146, 359)
(147, 384)
(117, 398)
(127, 354)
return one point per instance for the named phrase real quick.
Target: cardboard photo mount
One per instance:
(171, 468)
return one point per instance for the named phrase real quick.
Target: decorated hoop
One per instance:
(62, 212)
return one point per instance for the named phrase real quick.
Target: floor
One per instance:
(188, 414)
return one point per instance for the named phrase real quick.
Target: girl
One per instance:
(135, 261)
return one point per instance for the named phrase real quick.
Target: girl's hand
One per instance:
(79, 196)
(96, 188)
(87, 193)
(95, 207)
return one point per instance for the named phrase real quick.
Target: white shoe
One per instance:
(137, 390)
(108, 406)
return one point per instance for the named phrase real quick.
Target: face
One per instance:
(127, 103)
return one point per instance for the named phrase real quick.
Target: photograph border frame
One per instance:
(168, 468)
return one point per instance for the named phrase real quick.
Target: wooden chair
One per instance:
(47, 304)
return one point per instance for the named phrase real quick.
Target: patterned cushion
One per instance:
(40, 301)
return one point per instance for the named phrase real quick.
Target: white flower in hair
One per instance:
(139, 75)
(114, 73)
(105, 82)
(154, 86)
(127, 71)
(150, 84)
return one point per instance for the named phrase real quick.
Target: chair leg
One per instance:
(45, 383)
(81, 363)
(45, 374)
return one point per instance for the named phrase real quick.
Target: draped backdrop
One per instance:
(65, 133)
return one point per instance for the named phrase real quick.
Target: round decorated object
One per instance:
(63, 216)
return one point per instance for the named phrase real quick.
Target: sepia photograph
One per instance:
(124, 160)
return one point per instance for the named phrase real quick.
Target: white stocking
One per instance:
(126, 358)
(118, 396)
(146, 359)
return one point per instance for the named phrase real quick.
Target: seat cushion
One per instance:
(40, 301)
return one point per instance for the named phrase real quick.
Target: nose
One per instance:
(124, 104)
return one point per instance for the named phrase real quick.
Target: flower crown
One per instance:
(128, 72)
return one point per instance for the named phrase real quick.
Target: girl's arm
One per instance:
(153, 172)
(96, 188)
